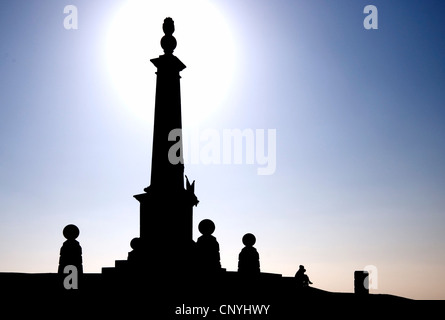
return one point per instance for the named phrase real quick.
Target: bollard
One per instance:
(361, 282)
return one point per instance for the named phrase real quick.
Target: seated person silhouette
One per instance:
(71, 251)
(207, 248)
(301, 278)
(249, 259)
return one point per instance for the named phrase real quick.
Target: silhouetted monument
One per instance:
(166, 207)
(71, 251)
(249, 259)
(207, 248)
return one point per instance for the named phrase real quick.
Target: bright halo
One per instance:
(205, 46)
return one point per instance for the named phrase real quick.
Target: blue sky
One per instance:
(359, 116)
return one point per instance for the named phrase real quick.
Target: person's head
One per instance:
(302, 269)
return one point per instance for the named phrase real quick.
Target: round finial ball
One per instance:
(135, 243)
(206, 227)
(71, 232)
(168, 43)
(249, 240)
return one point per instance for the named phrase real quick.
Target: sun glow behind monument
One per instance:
(205, 45)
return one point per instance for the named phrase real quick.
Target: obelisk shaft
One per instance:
(164, 173)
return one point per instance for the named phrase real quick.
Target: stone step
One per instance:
(121, 263)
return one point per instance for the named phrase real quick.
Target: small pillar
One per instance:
(71, 251)
(361, 282)
(134, 256)
(249, 259)
(208, 248)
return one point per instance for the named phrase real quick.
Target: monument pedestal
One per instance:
(166, 222)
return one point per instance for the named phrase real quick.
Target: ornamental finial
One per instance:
(168, 42)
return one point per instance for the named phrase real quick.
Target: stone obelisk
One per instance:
(166, 206)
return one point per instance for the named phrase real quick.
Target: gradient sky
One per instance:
(359, 116)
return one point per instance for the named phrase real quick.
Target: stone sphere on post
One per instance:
(71, 232)
(206, 227)
(168, 41)
(249, 240)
